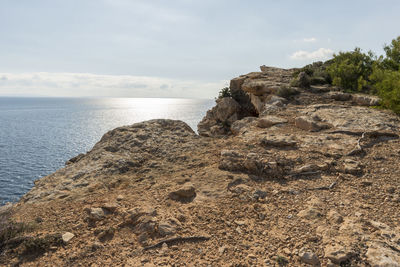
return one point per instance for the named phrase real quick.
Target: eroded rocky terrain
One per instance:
(308, 179)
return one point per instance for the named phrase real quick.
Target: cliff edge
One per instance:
(278, 176)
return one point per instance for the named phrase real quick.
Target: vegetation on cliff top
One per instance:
(355, 71)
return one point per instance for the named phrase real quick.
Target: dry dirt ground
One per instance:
(276, 195)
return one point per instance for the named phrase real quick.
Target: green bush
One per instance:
(387, 87)
(316, 72)
(224, 92)
(351, 70)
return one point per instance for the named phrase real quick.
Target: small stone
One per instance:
(352, 167)
(309, 257)
(307, 123)
(310, 213)
(165, 228)
(66, 237)
(96, 214)
(187, 191)
(338, 254)
(110, 207)
(120, 197)
(307, 168)
(268, 121)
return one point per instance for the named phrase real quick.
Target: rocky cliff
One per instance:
(279, 176)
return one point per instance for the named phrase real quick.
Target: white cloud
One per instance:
(310, 40)
(86, 84)
(320, 54)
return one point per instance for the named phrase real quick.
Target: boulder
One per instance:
(236, 83)
(225, 108)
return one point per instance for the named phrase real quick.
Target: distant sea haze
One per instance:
(37, 135)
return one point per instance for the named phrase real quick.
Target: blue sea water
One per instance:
(37, 135)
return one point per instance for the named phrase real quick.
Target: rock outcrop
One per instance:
(303, 176)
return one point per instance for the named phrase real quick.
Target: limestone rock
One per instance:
(268, 121)
(236, 83)
(276, 100)
(279, 141)
(259, 87)
(166, 229)
(352, 167)
(365, 100)
(380, 256)
(110, 207)
(338, 254)
(307, 124)
(225, 108)
(240, 124)
(143, 221)
(225, 112)
(309, 257)
(96, 214)
(186, 192)
(67, 236)
(310, 213)
(257, 102)
(338, 96)
(353, 118)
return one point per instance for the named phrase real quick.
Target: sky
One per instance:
(174, 48)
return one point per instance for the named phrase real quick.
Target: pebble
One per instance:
(67, 236)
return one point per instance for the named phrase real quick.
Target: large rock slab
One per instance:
(355, 119)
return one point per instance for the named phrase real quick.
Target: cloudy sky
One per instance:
(174, 48)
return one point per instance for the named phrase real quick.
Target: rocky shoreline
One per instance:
(278, 176)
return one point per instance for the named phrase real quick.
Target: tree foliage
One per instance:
(351, 70)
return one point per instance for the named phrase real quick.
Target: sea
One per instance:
(38, 135)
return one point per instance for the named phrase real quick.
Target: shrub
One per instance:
(316, 72)
(387, 87)
(224, 92)
(10, 230)
(39, 245)
(351, 70)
